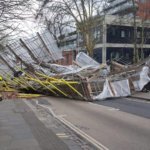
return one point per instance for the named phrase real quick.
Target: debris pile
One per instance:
(31, 66)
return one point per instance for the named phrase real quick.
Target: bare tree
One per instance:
(135, 52)
(11, 12)
(144, 14)
(140, 10)
(82, 13)
(57, 25)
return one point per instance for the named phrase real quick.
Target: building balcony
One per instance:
(124, 8)
(115, 3)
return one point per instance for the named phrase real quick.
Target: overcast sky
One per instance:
(29, 26)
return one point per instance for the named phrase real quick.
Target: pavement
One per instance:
(21, 130)
(25, 125)
(141, 95)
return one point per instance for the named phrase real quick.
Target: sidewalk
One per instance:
(21, 130)
(141, 95)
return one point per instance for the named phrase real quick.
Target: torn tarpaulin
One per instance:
(111, 89)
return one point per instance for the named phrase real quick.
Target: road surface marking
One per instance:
(136, 100)
(77, 130)
(62, 135)
(70, 125)
(114, 109)
(83, 134)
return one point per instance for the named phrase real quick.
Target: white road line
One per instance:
(62, 135)
(136, 100)
(114, 109)
(71, 126)
(65, 136)
(83, 134)
(77, 130)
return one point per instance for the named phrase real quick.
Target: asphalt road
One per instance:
(120, 124)
(133, 106)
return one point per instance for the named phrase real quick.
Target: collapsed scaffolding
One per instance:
(32, 66)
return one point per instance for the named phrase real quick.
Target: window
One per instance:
(138, 34)
(113, 32)
(129, 33)
(97, 33)
(122, 33)
(148, 35)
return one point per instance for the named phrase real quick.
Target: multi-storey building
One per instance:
(117, 33)
(127, 7)
(115, 39)
(119, 7)
(114, 35)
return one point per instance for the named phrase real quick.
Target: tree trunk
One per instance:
(89, 43)
(142, 42)
(135, 52)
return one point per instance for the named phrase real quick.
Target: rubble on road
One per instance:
(32, 66)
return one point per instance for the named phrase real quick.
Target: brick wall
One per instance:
(68, 57)
(144, 9)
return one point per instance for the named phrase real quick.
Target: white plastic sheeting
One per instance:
(144, 79)
(66, 70)
(45, 70)
(60, 68)
(84, 60)
(114, 89)
(78, 70)
(121, 88)
(106, 93)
